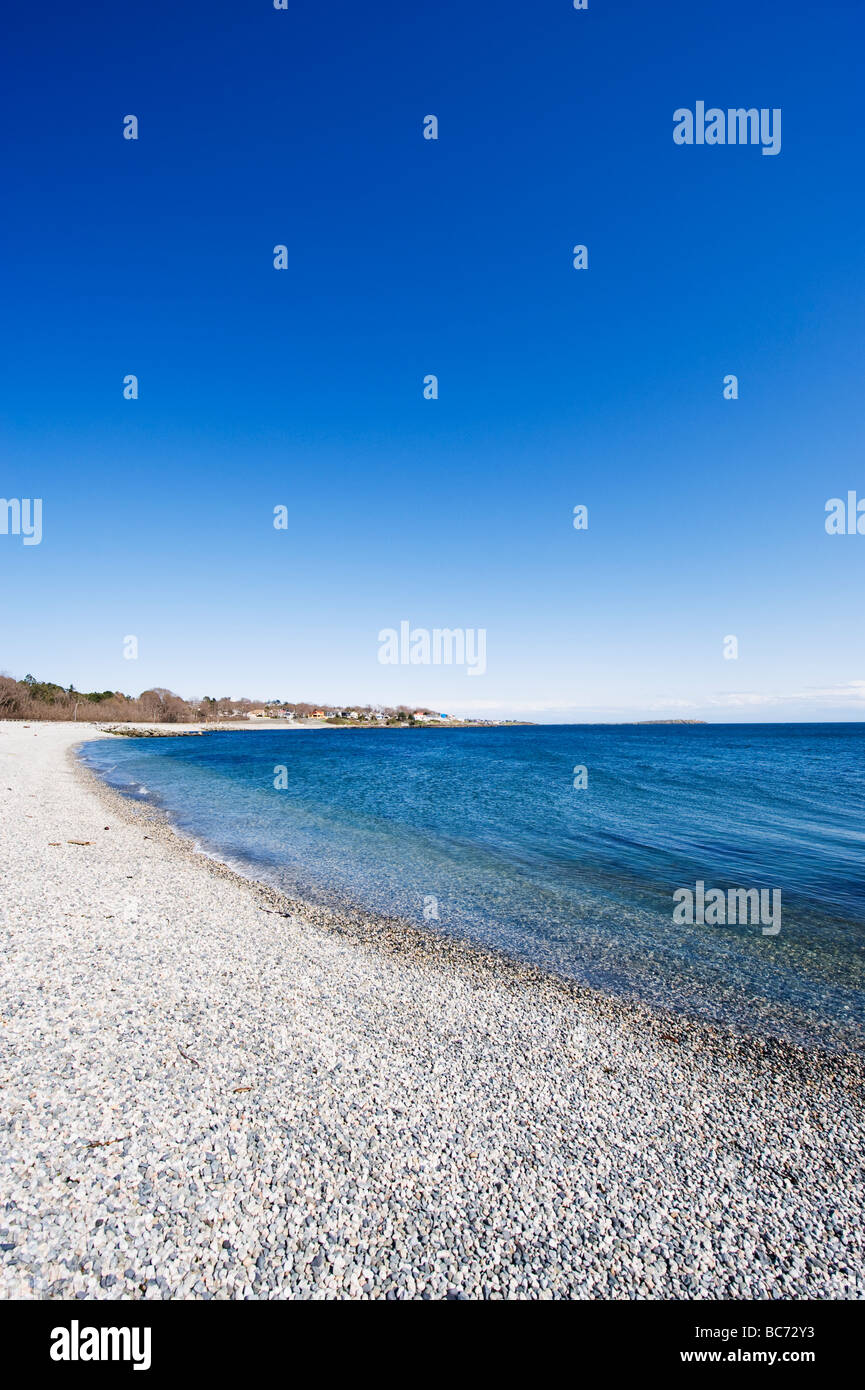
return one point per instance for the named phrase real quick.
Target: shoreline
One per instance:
(422, 1117)
(399, 935)
(764, 1027)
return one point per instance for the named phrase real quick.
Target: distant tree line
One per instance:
(34, 699)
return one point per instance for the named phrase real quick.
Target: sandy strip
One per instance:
(202, 1097)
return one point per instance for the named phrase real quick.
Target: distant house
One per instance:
(318, 714)
(259, 714)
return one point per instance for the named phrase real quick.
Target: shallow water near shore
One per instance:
(481, 834)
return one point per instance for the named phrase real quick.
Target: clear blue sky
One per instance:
(604, 387)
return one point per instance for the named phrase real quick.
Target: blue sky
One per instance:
(303, 387)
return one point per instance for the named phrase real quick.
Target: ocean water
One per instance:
(481, 834)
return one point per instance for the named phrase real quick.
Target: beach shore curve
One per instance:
(211, 1091)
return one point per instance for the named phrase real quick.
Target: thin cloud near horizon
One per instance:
(849, 696)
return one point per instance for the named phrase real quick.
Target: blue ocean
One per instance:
(482, 834)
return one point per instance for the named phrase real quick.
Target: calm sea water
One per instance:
(482, 835)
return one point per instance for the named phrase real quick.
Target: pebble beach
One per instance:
(208, 1090)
